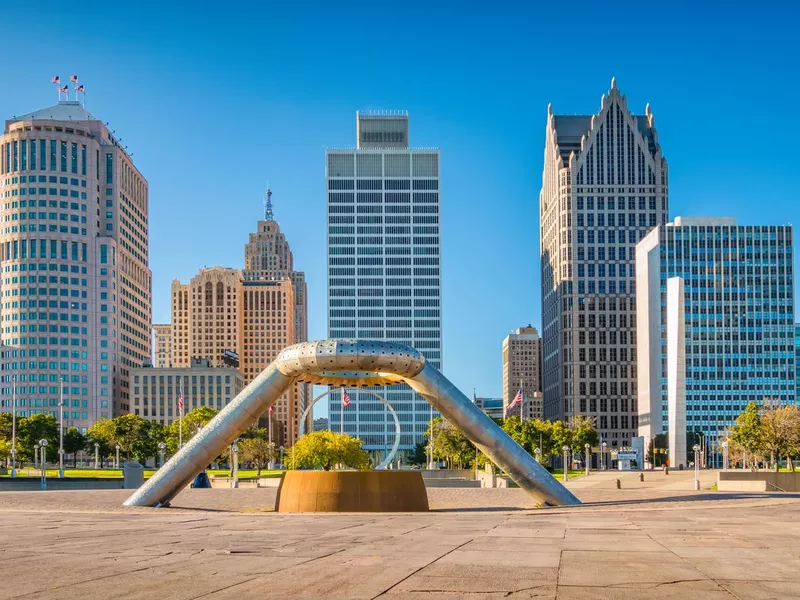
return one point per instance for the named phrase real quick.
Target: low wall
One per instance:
(32, 484)
(447, 474)
(758, 481)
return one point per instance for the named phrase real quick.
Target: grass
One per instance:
(76, 473)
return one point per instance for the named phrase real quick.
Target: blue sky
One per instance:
(212, 104)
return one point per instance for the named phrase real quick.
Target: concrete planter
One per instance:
(352, 491)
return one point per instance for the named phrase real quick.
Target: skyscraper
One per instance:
(604, 187)
(163, 350)
(735, 340)
(268, 271)
(76, 284)
(384, 279)
(522, 354)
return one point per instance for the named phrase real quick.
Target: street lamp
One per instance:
(538, 454)
(43, 453)
(603, 454)
(161, 448)
(588, 449)
(696, 449)
(725, 455)
(61, 432)
(96, 455)
(116, 463)
(566, 462)
(14, 429)
(282, 450)
(235, 451)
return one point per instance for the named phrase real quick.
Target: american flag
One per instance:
(73, 78)
(79, 88)
(345, 398)
(64, 90)
(517, 399)
(56, 80)
(270, 412)
(180, 402)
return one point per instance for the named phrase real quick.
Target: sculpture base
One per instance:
(352, 491)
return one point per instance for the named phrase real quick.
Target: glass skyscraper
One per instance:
(737, 326)
(384, 277)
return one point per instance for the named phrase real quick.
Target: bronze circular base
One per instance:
(352, 491)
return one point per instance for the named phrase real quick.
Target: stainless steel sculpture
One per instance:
(353, 363)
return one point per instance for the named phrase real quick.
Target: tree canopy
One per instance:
(326, 449)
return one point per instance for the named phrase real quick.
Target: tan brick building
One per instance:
(163, 346)
(522, 351)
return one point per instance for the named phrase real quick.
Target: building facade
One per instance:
(522, 369)
(494, 407)
(715, 323)
(156, 390)
(163, 345)
(321, 424)
(384, 278)
(604, 187)
(76, 284)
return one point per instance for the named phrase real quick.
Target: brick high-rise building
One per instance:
(604, 187)
(163, 349)
(77, 297)
(522, 355)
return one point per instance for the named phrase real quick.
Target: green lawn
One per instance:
(77, 473)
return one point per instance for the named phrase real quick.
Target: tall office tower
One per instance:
(76, 283)
(522, 366)
(604, 187)
(738, 322)
(163, 350)
(384, 279)
(493, 407)
(207, 316)
(268, 259)
(268, 328)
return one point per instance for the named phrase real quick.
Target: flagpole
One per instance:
(180, 419)
(521, 402)
(341, 413)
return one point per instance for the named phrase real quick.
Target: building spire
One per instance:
(268, 216)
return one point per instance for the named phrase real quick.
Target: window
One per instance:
(109, 168)
(64, 156)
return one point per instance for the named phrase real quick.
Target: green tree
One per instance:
(257, 451)
(5, 449)
(419, 456)
(129, 432)
(747, 432)
(582, 432)
(74, 442)
(5, 425)
(327, 449)
(193, 422)
(780, 432)
(34, 428)
(450, 444)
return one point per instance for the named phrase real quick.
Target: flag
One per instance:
(180, 402)
(345, 399)
(73, 78)
(64, 90)
(270, 412)
(517, 400)
(56, 80)
(79, 88)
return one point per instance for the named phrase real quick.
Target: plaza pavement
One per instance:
(653, 539)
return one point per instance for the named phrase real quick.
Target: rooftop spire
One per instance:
(268, 216)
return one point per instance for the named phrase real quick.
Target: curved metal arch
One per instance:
(350, 363)
(385, 462)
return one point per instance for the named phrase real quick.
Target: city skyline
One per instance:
(485, 113)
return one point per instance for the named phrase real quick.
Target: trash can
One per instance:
(132, 475)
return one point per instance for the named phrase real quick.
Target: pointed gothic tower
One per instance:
(604, 187)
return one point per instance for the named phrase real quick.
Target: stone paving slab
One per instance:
(649, 543)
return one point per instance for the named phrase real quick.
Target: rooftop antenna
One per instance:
(268, 216)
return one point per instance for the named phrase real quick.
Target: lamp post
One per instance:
(14, 429)
(565, 449)
(282, 450)
(696, 449)
(116, 462)
(235, 452)
(96, 455)
(430, 441)
(61, 431)
(603, 447)
(161, 448)
(43, 453)
(588, 449)
(538, 454)
(725, 455)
